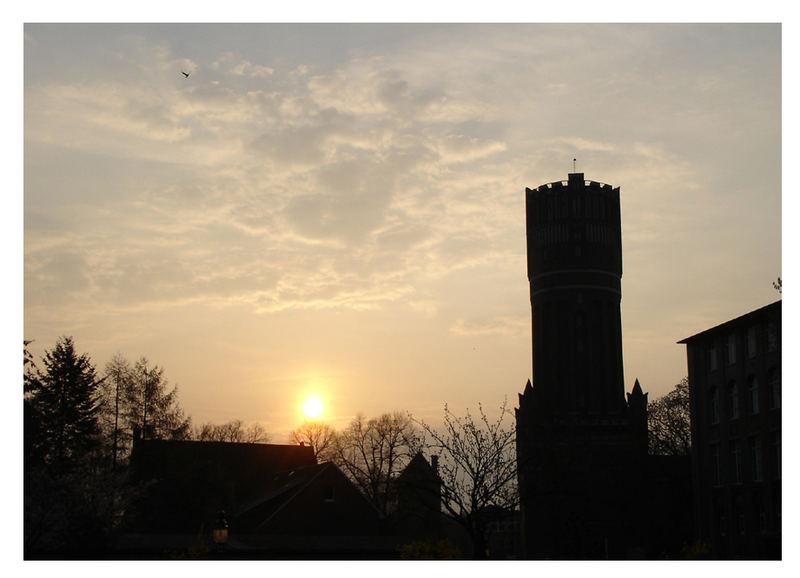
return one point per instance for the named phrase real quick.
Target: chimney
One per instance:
(435, 463)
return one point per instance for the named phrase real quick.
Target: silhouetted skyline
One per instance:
(339, 209)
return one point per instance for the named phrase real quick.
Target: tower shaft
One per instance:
(577, 451)
(575, 270)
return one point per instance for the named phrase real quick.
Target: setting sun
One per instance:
(313, 407)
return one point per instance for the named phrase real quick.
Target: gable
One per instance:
(327, 503)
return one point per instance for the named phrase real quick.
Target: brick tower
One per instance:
(580, 444)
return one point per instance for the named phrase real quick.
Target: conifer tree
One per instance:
(63, 398)
(65, 503)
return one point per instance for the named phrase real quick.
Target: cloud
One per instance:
(461, 148)
(397, 169)
(56, 277)
(497, 326)
(239, 66)
(582, 144)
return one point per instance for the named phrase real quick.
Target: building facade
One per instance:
(581, 443)
(735, 389)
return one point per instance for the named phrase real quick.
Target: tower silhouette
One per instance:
(581, 446)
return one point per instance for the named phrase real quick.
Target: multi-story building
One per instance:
(735, 389)
(588, 489)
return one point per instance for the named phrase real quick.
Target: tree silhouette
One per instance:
(373, 452)
(113, 408)
(153, 409)
(320, 436)
(478, 469)
(75, 427)
(70, 500)
(668, 422)
(63, 397)
(232, 431)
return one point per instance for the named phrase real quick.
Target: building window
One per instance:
(736, 462)
(738, 507)
(752, 395)
(733, 400)
(772, 336)
(731, 349)
(712, 358)
(751, 341)
(755, 454)
(720, 520)
(775, 442)
(329, 494)
(713, 395)
(715, 470)
(760, 511)
(774, 381)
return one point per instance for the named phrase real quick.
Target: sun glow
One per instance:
(313, 407)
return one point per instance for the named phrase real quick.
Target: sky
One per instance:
(338, 209)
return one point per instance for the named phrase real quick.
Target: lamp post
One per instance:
(220, 531)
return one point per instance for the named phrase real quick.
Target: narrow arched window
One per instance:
(752, 395)
(733, 400)
(774, 382)
(713, 395)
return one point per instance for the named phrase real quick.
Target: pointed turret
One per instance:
(637, 410)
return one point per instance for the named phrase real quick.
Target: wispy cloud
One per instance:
(385, 176)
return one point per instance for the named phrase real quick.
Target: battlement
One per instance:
(560, 185)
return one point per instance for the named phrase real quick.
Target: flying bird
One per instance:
(186, 74)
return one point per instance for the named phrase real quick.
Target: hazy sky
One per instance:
(340, 208)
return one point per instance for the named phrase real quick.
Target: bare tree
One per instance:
(373, 452)
(668, 422)
(255, 433)
(320, 436)
(232, 431)
(117, 382)
(478, 469)
(152, 407)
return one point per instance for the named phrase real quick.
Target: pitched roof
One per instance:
(276, 492)
(241, 461)
(192, 478)
(418, 468)
(279, 491)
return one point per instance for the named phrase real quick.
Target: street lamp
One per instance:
(220, 531)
